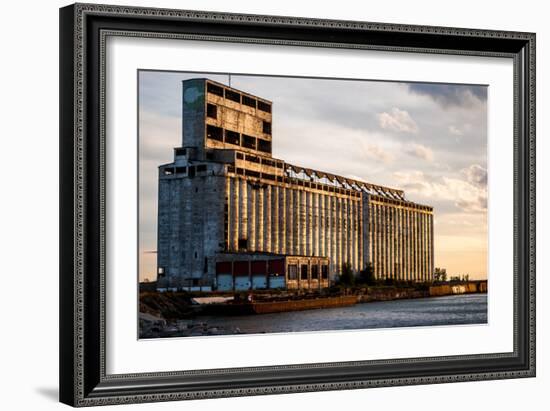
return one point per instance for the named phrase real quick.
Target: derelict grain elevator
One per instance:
(232, 217)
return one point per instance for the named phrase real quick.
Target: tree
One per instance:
(366, 276)
(347, 278)
(440, 274)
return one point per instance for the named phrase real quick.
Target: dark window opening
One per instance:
(211, 111)
(249, 142)
(168, 171)
(230, 169)
(195, 282)
(252, 159)
(264, 106)
(180, 170)
(252, 173)
(314, 272)
(292, 271)
(202, 167)
(243, 243)
(233, 96)
(264, 145)
(249, 101)
(181, 151)
(195, 254)
(268, 176)
(267, 127)
(214, 133)
(232, 137)
(191, 171)
(267, 162)
(210, 156)
(240, 156)
(217, 90)
(303, 272)
(324, 272)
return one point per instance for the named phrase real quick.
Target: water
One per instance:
(448, 310)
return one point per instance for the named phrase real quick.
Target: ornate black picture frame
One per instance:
(83, 379)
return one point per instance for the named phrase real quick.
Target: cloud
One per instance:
(375, 152)
(455, 131)
(397, 120)
(451, 94)
(466, 195)
(420, 151)
(476, 175)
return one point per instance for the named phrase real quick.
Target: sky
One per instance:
(427, 139)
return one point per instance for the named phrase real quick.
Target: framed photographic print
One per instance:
(261, 204)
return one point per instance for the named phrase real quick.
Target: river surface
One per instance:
(448, 310)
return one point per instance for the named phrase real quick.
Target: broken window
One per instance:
(249, 142)
(232, 137)
(212, 88)
(181, 151)
(214, 133)
(303, 272)
(264, 106)
(202, 167)
(243, 243)
(292, 271)
(264, 145)
(251, 173)
(252, 159)
(249, 101)
(267, 127)
(232, 95)
(314, 272)
(212, 111)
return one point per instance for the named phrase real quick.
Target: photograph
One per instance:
(260, 201)
(275, 204)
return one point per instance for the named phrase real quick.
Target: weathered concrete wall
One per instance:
(293, 220)
(400, 239)
(193, 114)
(191, 221)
